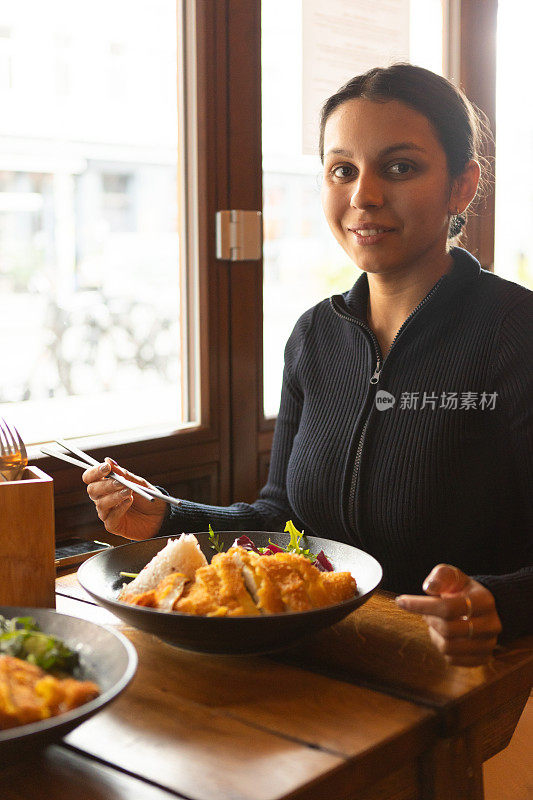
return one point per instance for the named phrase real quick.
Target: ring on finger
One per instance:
(468, 613)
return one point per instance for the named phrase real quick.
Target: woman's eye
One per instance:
(344, 171)
(401, 168)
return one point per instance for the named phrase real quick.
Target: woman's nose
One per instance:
(367, 192)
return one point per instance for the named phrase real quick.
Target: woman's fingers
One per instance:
(482, 627)
(462, 645)
(107, 492)
(449, 607)
(445, 579)
(115, 518)
(106, 504)
(111, 498)
(101, 471)
(464, 653)
(451, 594)
(98, 472)
(99, 489)
(460, 613)
(131, 476)
(477, 660)
(122, 511)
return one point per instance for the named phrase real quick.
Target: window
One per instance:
(92, 267)
(90, 247)
(514, 145)
(6, 62)
(118, 202)
(303, 264)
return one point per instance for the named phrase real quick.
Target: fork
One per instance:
(13, 456)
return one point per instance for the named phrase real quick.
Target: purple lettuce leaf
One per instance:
(246, 543)
(323, 563)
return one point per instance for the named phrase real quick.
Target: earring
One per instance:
(457, 223)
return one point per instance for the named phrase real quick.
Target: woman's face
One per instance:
(386, 191)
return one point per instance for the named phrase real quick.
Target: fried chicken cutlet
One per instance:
(290, 582)
(29, 694)
(241, 582)
(219, 589)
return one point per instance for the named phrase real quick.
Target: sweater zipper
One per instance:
(374, 380)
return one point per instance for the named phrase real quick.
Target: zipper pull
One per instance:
(377, 372)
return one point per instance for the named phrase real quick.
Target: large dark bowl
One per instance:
(106, 657)
(100, 577)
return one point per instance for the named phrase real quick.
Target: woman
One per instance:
(405, 425)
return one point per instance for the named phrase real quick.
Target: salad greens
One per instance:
(214, 539)
(321, 561)
(21, 637)
(294, 545)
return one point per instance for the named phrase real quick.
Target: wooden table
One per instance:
(366, 710)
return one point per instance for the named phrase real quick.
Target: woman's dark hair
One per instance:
(461, 128)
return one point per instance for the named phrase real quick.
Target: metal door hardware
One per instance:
(239, 235)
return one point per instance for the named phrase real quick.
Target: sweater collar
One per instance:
(465, 269)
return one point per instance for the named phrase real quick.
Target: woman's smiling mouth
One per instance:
(370, 235)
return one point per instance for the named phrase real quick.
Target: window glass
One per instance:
(303, 264)
(89, 245)
(513, 258)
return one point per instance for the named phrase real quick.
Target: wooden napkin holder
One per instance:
(27, 540)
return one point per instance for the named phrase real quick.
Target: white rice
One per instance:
(178, 555)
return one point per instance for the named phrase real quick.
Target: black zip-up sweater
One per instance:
(442, 474)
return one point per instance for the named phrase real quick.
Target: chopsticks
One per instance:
(84, 460)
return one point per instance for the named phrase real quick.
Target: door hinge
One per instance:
(239, 235)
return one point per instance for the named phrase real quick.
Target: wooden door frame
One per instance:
(477, 78)
(246, 277)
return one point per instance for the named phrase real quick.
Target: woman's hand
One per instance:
(461, 615)
(122, 511)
